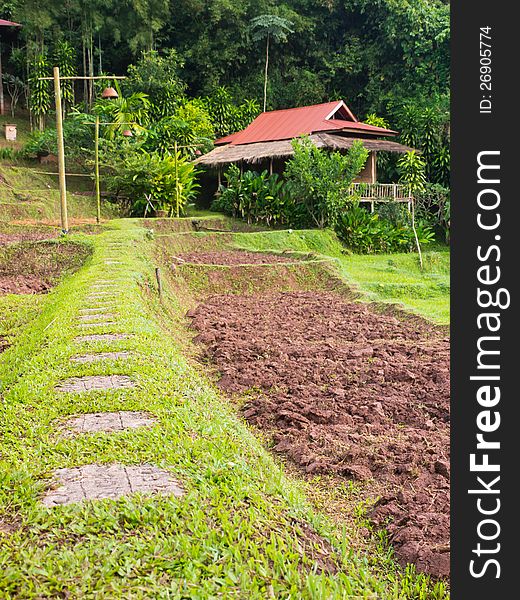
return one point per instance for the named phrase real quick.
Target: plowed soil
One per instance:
(229, 258)
(23, 284)
(346, 389)
(25, 236)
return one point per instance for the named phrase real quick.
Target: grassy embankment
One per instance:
(242, 530)
(394, 278)
(30, 196)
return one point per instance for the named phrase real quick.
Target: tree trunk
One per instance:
(266, 68)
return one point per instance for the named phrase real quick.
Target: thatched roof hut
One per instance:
(257, 152)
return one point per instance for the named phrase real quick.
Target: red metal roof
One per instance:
(5, 23)
(289, 123)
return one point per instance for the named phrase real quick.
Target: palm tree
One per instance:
(267, 27)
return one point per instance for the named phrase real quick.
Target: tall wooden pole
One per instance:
(176, 182)
(61, 152)
(98, 194)
(1, 84)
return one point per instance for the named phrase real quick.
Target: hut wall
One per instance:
(368, 174)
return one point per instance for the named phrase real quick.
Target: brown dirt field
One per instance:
(23, 284)
(230, 258)
(26, 236)
(35, 266)
(348, 389)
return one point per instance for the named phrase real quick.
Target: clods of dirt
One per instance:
(23, 284)
(238, 257)
(346, 389)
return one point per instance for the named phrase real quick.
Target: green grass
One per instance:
(23, 130)
(239, 530)
(16, 311)
(395, 278)
(27, 194)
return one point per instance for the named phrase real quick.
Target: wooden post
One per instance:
(1, 84)
(98, 193)
(176, 183)
(159, 283)
(61, 152)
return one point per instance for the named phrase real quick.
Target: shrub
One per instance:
(256, 198)
(433, 206)
(167, 182)
(78, 137)
(369, 233)
(320, 180)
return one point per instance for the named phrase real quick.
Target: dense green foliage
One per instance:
(315, 193)
(151, 182)
(321, 180)
(372, 233)
(256, 198)
(201, 70)
(312, 193)
(373, 53)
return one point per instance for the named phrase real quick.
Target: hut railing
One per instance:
(381, 192)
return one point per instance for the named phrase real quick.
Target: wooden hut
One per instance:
(266, 143)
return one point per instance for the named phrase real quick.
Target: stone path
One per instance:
(96, 324)
(95, 482)
(96, 317)
(109, 422)
(102, 337)
(88, 358)
(95, 382)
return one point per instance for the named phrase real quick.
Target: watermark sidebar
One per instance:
(485, 325)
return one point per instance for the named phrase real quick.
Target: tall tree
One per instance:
(270, 27)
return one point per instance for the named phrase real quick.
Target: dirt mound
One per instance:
(238, 257)
(343, 388)
(35, 266)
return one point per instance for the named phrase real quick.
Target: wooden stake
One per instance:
(98, 193)
(159, 283)
(61, 152)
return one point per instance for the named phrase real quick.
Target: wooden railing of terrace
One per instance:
(381, 192)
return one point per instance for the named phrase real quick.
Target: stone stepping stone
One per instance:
(109, 422)
(96, 309)
(95, 382)
(89, 358)
(102, 337)
(96, 316)
(97, 482)
(102, 324)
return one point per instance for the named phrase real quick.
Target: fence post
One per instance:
(61, 152)
(96, 155)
